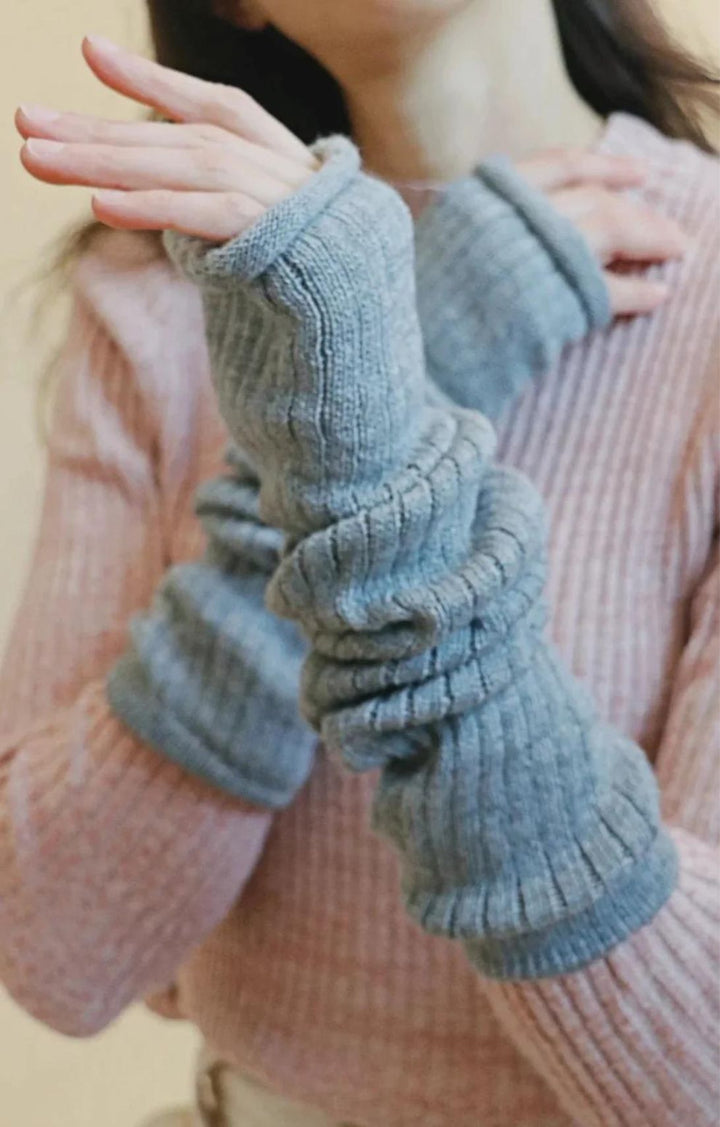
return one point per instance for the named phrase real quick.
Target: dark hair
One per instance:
(619, 56)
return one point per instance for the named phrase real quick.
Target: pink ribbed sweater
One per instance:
(284, 937)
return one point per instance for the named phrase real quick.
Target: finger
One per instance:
(217, 216)
(556, 169)
(210, 169)
(57, 125)
(631, 296)
(45, 124)
(183, 97)
(645, 235)
(620, 229)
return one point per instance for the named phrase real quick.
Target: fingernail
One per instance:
(40, 114)
(38, 147)
(101, 42)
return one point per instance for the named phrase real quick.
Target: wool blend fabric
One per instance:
(527, 826)
(282, 937)
(213, 678)
(504, 284)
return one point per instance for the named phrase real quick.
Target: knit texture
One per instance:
(504, 284)
(526, 826)
(212, 678)
(290, 950)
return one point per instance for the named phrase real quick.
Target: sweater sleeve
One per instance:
(114, 863)
(504, 284)
(633, 1040)
(415, 565)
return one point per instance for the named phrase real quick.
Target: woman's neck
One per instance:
(490, 78)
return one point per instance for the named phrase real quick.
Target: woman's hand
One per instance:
(226, 160)
(212, 174)
(589, 189)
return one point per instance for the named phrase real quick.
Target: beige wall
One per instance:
(45, 1080)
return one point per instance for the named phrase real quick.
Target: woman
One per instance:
(400, 1031)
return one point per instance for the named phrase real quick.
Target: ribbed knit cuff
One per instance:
(211, 678)
(564, 244)
(504, 284)
(256, 771)
(250, 255)
(629, 903)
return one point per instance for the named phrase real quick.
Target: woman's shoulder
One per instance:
(682, 179)
(128, 281)
(683, 182)
(153, 316)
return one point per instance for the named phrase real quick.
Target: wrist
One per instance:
(563, 243)
(253, 253)
(504, 284)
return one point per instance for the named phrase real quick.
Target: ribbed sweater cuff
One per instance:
(630, 902)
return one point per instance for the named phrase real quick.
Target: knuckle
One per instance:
(232, 208)
(164, 200)
(600, 198)
(214, 160)
(214, 134)
(237, 100)
(214, 105)
(236, 211)
(238, 96)
(587, 197)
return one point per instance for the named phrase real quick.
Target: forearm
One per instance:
(211, 678)
(114, 862)
(633, 1038)
(415, 567)
(114, 865)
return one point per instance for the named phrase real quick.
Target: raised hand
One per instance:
(589, 189)
(211, 172)
(223, 161)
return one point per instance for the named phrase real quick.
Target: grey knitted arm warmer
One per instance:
(211, 678)
(504, 284)
(415, 567)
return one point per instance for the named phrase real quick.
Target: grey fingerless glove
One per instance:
(504, 284)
